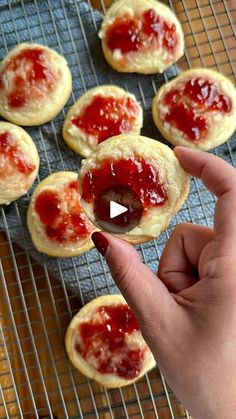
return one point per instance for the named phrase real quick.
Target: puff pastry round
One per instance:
(56, 221)
(35, 84)
(101, 113)
(141, 36)
(19, 162)
(146, 166)
(197, 109)
(90, 343)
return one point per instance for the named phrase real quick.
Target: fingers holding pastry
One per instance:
(141, 175)
(222, 183)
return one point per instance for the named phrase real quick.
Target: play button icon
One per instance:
(117, 209)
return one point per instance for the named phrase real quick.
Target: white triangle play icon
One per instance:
(116, 209)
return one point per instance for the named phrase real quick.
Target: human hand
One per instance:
(187, 313)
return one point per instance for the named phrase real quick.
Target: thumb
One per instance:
(147, 296)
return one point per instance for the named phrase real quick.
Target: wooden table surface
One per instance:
(47, 307)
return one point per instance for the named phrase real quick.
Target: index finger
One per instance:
(220, 178)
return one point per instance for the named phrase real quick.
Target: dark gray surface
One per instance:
(71, 27)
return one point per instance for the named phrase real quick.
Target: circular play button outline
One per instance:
(117, 209)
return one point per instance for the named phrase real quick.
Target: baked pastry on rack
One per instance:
(141, 36)
(19, 162)
(101, 113)
(35, 84)
(56, 221)
(104, 342)
(197, 109)
(138, 173)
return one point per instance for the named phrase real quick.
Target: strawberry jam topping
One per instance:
(26, 77)
(60, 212)
(187, 104)
(206, 94)
(106, 117)
(132, 183)
(135, 173)
(11, 159)
(129, 34)
(102, 342)
(188, 121)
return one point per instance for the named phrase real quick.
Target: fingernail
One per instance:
(100, 242)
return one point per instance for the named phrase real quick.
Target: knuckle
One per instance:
(179, 228)
(220, 271)
(162, 271)
(216, 267)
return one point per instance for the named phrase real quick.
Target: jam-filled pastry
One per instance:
(99, 114)
(142, 36)
(143, 175)
(104, 342)
(56, 221)
(197, 109)
(19, 162)
(35, 84)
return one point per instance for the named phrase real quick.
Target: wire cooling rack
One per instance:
(36, 379)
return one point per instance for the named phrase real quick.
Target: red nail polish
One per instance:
(100, 242)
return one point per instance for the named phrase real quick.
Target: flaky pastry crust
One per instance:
(107, 380)
(55, 182)
(15, 185)
(144, 62)
(155, 219)
(221, 125)
(41, 111)
(79, 141)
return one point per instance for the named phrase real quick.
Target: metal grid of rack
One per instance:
(36, 379)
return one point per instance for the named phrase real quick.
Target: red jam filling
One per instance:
(61, 214)
(103, 339)
(135, 173)
(206, 94)
(187, 104)
(29, 77)
(11, 157)
(106, 117)
(129, 34)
